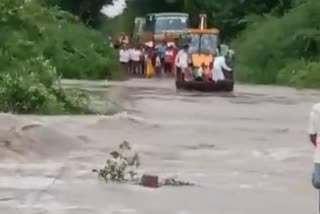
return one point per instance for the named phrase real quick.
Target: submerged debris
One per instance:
(153, 182)
(127, 153)
(122, 164)
(114, 168)
(122, 167)
(174, 182)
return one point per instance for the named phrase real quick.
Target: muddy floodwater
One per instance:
(248, 151)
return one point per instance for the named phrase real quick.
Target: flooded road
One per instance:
(247, 150)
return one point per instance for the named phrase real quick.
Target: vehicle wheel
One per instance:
(230, 87)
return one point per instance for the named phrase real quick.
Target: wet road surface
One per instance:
(247, 150)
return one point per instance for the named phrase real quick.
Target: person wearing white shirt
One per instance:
(135, 55)
(314, 131)
(124, 57)
(182, 62)
(219, 66)
(136, 58)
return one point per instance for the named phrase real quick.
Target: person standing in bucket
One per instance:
(314, 130)
(219, 66)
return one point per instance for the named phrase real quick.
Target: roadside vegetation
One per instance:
(39, 45)
(42, 41)
(275, 42)
(282, 50)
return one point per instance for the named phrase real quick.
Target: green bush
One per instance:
(300, 74)
(33, 86)
(78, 52)
(277, 44)
(38, 46)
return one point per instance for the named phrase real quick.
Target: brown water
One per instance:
(247, 150)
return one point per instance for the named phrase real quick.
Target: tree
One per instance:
(141, 7)
(228, 15)
(87, 10)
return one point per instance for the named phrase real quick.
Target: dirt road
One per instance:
(248, 151)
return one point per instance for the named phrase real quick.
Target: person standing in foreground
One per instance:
(314, 130)
(182, 62)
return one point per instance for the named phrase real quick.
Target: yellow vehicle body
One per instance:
(203, 45)
(199, 58)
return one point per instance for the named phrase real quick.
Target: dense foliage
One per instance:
(87, 10)
(276, 42)
(282, 50)
(232, 16)
(38, 45)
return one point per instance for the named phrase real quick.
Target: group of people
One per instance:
(166, 58)
(132, 58)
(214, 71)
(147, 60)
(166, 53)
